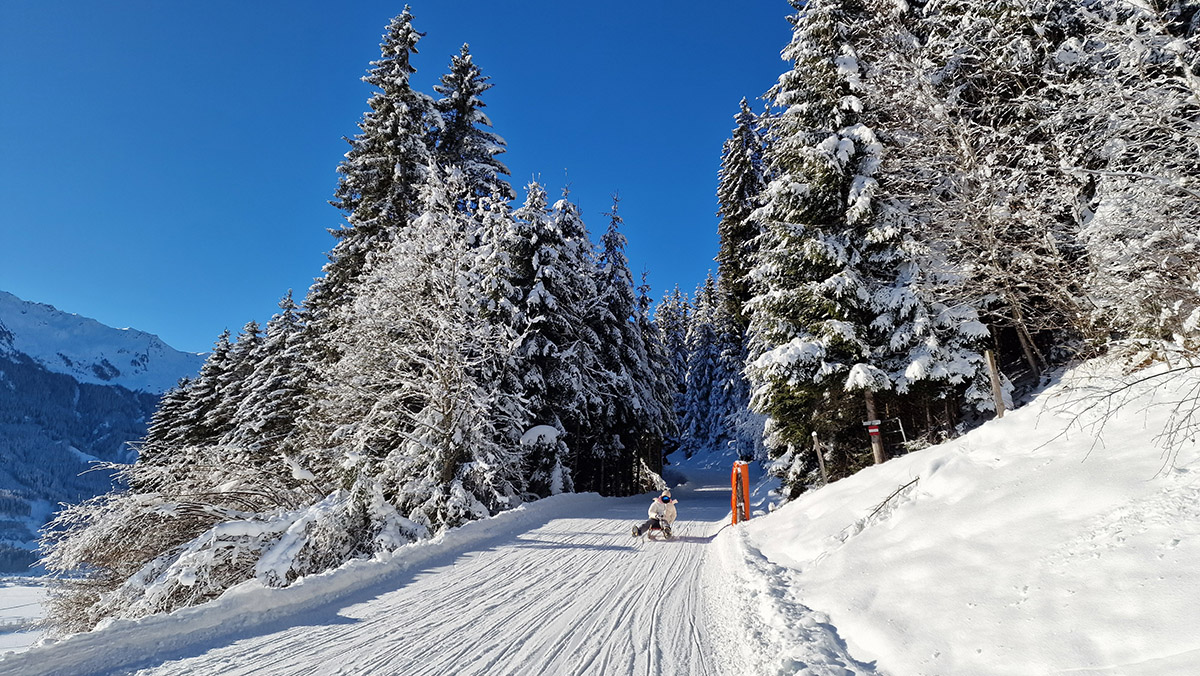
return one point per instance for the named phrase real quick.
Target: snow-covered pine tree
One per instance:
(415, 388)
(164, 432)
(704, 402)
(632, 423)
(204, 395)
(565, 299)
(232, 383)
(500, 305)
(839, 311)
(614, 423)
(265, 421)
(534, 248)
(464, 138)
(378, 192)
(741, 428)
(740, 182)
(661, 379)
(671, 317)
(383, 172)
(810, 311)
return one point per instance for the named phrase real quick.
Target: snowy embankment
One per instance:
(1042, 543)
(1022, 548)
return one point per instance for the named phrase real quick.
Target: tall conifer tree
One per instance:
(464, 138)
(383, 173)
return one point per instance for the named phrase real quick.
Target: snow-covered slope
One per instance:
(1023, 549)
(89, 351)
(72, 392)
(1043, 543)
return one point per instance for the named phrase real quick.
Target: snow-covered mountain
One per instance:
(72, 391)
(89, 351)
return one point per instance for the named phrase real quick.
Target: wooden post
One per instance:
(997, 391)
(820, 458)
(876, 440)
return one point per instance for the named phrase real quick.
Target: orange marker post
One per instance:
(739, 499)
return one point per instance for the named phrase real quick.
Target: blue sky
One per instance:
(167, 165)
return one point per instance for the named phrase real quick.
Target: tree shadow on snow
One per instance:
(693, 539)
(528, 543)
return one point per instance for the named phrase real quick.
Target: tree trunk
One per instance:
(1035, 359)
(997, 390)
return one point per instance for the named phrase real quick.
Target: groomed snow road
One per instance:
(558, 587)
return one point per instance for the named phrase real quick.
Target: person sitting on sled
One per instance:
(662, 515)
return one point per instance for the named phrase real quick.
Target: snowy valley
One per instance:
(72, 392)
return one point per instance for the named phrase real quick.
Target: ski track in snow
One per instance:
(562, 589)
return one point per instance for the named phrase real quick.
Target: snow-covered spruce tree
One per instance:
(661, 379)
(276, 389)
(701, 425)
(500, 305)
(548, 385)
(564, 303)
(415, 390)
(740, 182)
(232, 384)
(631, 423)
(741, 429)
(204, 395)
(378, 190)
(672, 316)
(463, 138)
(839, 313)
(165, 430)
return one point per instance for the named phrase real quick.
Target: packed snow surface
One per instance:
(1060, 539)
(1027, 547)
(89, 351)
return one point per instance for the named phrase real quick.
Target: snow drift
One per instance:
(1061, 538)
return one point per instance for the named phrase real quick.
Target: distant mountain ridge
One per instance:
(72, 392)
(88, 351)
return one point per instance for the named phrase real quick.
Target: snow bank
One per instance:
(1040, 543)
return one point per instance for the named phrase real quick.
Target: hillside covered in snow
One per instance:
(1059, 539)
(88, 351)
(72, 392)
